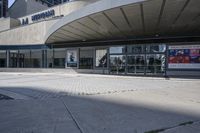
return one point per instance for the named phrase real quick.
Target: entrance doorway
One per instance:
(145, 59)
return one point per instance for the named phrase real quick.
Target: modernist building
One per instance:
(126, 37)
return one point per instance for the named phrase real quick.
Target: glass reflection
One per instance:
(140, 64)
(36, 58)
(155, 48)
(59, 58)
(50, 58)
(117, 50)
(86, 58)
(135, 49)
(25, 60)
(2, 58)
(101, 58)
(155, 63)
(117, 63)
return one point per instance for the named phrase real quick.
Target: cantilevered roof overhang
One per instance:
(126, 19)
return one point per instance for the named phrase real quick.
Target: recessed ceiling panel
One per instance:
(171, 10)
(89, 22)
(133, 14)
(152, 10)
(76, 31)
(82, 27)
(190, 12)
(147, 18)
(119, 19)
(106, 24)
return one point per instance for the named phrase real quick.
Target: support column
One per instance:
(7, 58)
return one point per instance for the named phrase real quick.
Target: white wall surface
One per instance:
(8, 23)
(29, 34)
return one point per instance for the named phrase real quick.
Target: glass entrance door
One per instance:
(144, 59)
(136, 64)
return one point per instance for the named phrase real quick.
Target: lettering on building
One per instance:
(25, 21)
(38, 17)
(43, 15)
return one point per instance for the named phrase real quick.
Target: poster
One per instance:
(71, 58)
(185, 57)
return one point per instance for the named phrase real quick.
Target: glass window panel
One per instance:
(135, 49)
(117, 63)
(13, 61)
(131, 60)
(24, 60)
(2, 58)
(155, 63)
(101, 58)
(36, 58)
(86, 58)
(59, 58)
(155, 48)
(140, 60)
(49, 58)
(131, 69)
(140, 64)
(117, 50)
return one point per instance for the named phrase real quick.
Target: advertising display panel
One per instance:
(184, 57)
(71, 58)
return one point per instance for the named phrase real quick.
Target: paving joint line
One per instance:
(173, 127)
(73, 117)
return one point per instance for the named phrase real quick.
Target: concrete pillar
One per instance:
(7, 58)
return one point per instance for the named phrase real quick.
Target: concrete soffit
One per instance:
(127, 19)
(88, 10)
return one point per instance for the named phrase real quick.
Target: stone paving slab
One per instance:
(93, 115)
(104, 116)
(53, 85)
(35, 116)
(59, 103)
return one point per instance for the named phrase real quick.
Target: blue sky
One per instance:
(10, 2)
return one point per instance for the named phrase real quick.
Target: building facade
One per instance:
(129, 37)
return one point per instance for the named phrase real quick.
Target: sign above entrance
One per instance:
(43, 15)
(37, 17)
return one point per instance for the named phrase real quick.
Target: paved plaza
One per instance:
(86, 103)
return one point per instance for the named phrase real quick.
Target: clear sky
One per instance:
(10, 2)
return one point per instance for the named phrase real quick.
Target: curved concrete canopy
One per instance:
(121, 19)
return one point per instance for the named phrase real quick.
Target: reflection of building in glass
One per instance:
(3, 8)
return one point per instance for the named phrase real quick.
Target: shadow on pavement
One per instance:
(83, 114)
